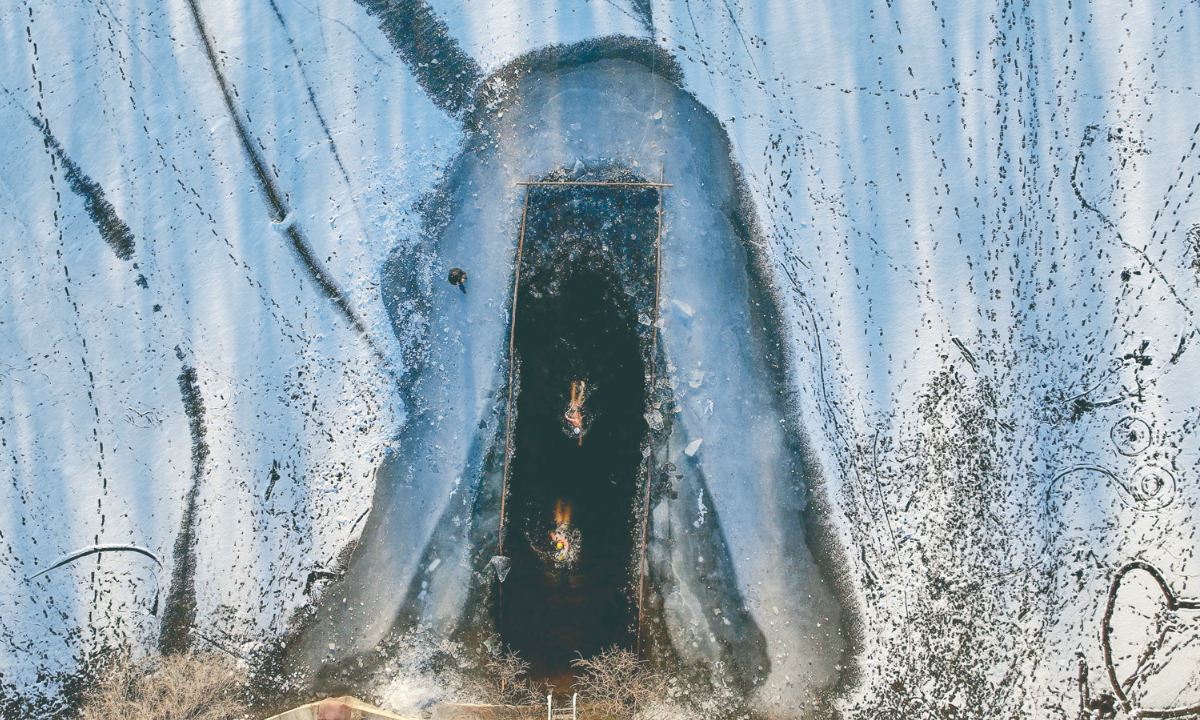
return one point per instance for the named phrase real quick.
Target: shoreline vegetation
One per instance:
(201, 685)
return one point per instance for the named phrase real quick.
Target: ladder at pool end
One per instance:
(553, 713)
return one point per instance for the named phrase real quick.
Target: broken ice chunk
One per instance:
(657, 115)
(654, 419)
(502, 565)
(692, 447)
(696, 378)
(684, 307)
(644, 319)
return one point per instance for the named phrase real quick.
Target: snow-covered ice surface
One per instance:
(293, 405)
(977, 215)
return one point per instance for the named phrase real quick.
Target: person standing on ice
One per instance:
(458, 277)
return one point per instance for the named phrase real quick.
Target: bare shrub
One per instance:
(192, 686)
(616, 684)
(507, 684)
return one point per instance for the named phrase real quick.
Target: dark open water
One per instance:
(577, 322)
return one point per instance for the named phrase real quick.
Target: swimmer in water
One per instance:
(574, 414)
(566, 545)
(561, 542)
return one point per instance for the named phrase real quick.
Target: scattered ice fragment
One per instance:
(578, 169)
(644, 319)
(692, 447)
(433, 565)
(696, 378)
(684, 307)
(657, 115)
(502, 565)
(654, 419)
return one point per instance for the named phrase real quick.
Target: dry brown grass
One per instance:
(192, 686)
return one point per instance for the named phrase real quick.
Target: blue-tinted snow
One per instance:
(911, 167)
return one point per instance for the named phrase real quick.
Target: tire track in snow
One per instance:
(280, 212)
(312, 96)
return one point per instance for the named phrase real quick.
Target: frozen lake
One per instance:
(928, 333)
(732, 581)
